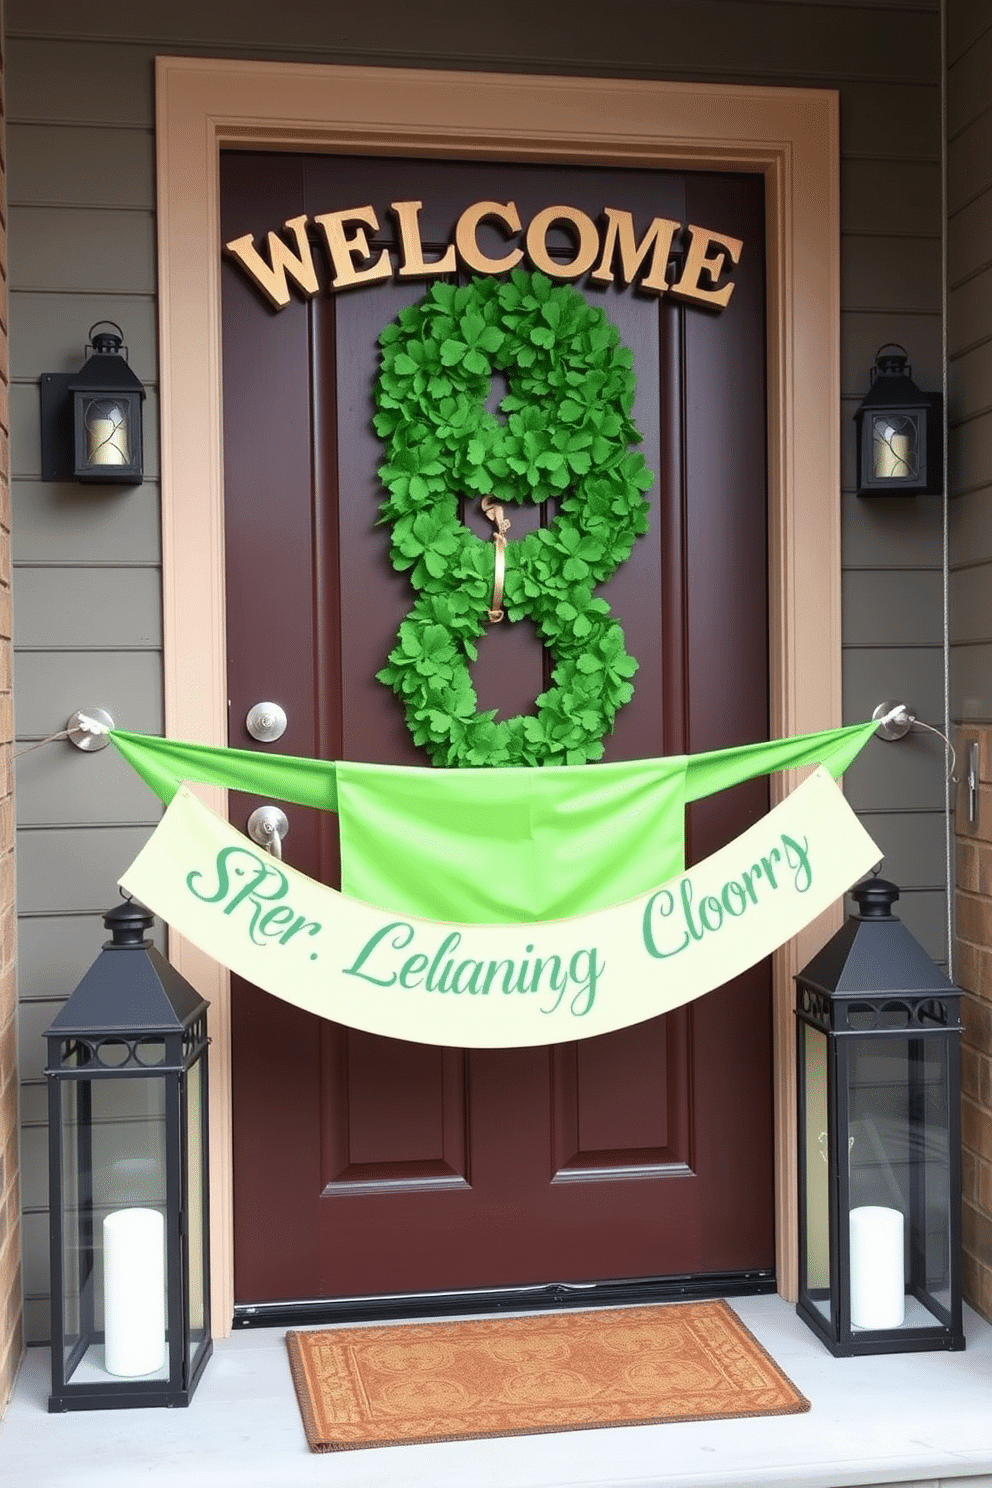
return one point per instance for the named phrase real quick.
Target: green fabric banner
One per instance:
(475, 985)
(495, 845)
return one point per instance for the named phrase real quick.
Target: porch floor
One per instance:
(918, 1419)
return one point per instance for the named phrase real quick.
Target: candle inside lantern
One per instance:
(891, 452)
(106, 434)
(134, 1292)
(878, 1278)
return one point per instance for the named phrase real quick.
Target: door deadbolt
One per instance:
(266, 722)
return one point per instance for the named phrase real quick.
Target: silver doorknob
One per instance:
(267, 826)
(266, 722)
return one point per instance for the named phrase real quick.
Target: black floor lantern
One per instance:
(127, 1108)
(879, 1139)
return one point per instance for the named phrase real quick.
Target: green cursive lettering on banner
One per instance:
(691, 922)
(263, 883)
(555, 976)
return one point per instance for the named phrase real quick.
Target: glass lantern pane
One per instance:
(124, 1281)
(931, 1261)
(196, 1301)
(880, 1161)
(77, 1225)
(895, 446)
(900, 1181)
(817, 1170)
(108, 439)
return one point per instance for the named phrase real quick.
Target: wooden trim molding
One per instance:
(790, 135)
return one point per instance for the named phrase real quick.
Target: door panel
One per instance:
(613, 1116)
(644, 1153)
(395, 1117)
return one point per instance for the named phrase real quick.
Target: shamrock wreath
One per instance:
(566, 437)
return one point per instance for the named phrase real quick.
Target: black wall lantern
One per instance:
(127, 1123)
(91, 420)
(899, 432)
(879, 1139)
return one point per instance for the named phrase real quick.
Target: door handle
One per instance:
(267, 826)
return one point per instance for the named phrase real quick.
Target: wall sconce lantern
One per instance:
(91, 420)
(127, 1113)
(899, 432)
(879, 1139)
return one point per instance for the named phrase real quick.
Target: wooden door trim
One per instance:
(789, 135)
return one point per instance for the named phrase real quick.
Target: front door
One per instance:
(368, 1166)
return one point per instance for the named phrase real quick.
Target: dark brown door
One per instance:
(365, 1165)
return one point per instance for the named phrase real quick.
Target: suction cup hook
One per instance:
(89, 728)
(894, 721)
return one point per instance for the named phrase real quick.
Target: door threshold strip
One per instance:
(303, 1312)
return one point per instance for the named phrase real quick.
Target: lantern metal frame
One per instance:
(70, 448)
(893, 396)
(133, 1004)
(840, 999)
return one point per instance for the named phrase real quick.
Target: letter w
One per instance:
(271, 280)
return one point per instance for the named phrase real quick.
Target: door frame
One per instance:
(789, 135)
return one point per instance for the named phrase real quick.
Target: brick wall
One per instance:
(973, 973)
(11, 1329)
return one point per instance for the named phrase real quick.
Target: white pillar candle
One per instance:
(891, 454)
(134, 1292)
(878, 1283)
(106, 434)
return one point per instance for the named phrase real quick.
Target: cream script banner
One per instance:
(488, 986)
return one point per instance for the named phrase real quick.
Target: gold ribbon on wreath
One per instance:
(494, 512)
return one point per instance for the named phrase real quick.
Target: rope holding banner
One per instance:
(494, 512)
(896, 720)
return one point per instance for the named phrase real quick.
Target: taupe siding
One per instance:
(970, 354)
(77, 96)
(892, 549)
(11, 1290)
(969, 329)
(88, 559)
(969, 324)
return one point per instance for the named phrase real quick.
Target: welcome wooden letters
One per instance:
(695, 259)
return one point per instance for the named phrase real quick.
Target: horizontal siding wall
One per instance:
(82, 211)
(969, 325)
(11, 1287)
(969, 332)
(88, 574)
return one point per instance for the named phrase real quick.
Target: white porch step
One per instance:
(920, 1420)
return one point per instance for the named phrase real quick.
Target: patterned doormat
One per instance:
(513, 1376)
